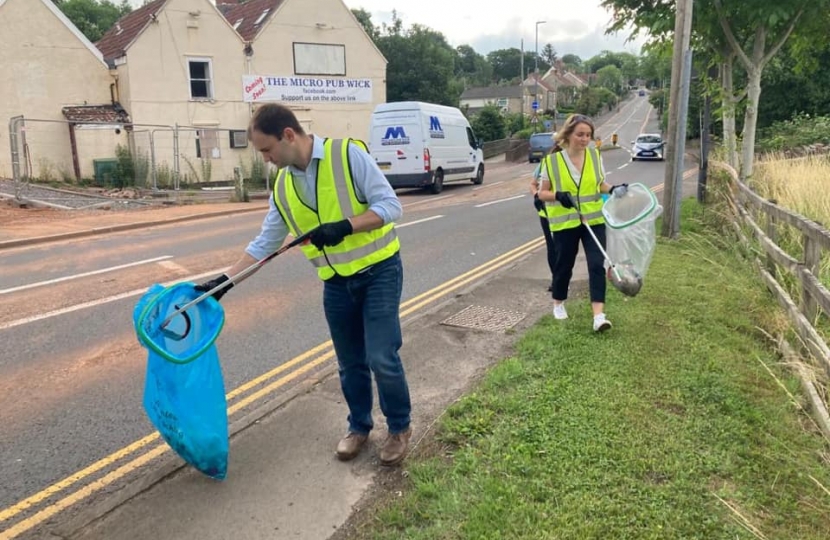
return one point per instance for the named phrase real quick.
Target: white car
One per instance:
(648, 146)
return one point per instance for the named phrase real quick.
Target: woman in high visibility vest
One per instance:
(573, 178)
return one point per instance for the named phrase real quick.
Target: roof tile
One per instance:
(113, 44)
(251, 15)
(96, 113)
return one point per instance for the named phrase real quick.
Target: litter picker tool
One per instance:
(302, 239)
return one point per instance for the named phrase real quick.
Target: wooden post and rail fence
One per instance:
(765, 220)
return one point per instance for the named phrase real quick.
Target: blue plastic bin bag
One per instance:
(184, 393)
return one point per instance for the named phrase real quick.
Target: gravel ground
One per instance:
(66, 199)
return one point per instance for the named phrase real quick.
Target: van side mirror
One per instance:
(479, 143)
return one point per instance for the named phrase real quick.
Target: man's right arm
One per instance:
(270, 239)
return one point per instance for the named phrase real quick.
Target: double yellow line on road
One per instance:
(686, 175)
(151, 445)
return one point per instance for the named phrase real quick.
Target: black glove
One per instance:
(208, 285)
(565, 199)
(330, 234)
(538, 203)
(619, 190)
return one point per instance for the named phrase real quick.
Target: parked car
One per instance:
(648, 146)
(424, 145)
(642, 92)
(540, 145)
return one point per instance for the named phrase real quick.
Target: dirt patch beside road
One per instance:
(16, 223)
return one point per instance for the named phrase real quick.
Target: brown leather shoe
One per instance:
(350, 445)
(395, 447)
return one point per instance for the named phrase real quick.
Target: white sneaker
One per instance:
(601, 324)
(559, 312)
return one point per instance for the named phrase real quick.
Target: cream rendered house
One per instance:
(314, 56)
(191, 72)
(178, 67)
(51, 74)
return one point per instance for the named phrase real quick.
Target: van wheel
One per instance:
(479, 179)
(437, 182)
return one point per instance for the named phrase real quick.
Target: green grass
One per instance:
(645, 432)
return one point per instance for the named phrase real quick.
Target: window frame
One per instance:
(214, 138)
(210, 89)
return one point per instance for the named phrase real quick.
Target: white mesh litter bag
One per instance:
(631, 233)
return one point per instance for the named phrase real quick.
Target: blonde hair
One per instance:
(569, 126)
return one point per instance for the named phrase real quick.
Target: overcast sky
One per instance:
(575, 26)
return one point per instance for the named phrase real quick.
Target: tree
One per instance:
(655, 63)
(572, 61)
(750, 34)
(605, 58)
(611, 77)
(630, 69)
(472, 67)
(365, 20)
(549, 54)
(420, 64)
(792, 87)
(92, 17)
(507, 64)
(488, 124)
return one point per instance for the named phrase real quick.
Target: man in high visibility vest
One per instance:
(333, 189)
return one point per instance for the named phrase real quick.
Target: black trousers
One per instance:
(549, 243)
(567, 247)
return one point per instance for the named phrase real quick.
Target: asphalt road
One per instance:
(72, 372)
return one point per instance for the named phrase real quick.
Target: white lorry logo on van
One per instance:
(395, 135)
(435, 129)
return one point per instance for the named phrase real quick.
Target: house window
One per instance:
(502, 102)
(201, 84)
(207, 144)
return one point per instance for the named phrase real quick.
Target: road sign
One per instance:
(535, 105)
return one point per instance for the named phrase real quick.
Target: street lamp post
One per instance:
(536, 77)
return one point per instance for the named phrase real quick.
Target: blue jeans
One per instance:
(363, 316)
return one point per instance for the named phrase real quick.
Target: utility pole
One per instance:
(675, 150)
(522, 62)
(536, 79)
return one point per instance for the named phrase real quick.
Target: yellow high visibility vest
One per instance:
(586, 194)
(336, 200)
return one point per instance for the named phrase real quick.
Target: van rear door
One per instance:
(396, 143)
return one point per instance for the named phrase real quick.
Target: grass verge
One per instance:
(669, 426)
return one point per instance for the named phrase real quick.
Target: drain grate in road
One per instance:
(485, 318)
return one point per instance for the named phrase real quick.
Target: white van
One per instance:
(424, 145)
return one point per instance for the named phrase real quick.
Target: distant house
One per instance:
(51, 75)
(509, 99)
(541, 91)
(567, 86)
